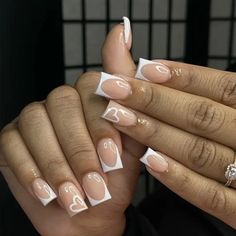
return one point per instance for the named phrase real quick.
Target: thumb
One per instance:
(116, 56)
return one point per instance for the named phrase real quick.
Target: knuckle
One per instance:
(54, 164)
(87, 80)
(216, 200)
(6, 136)
(204, 116)
(183, 183)
(80, 154)
(228, 87)
(152, 133)
(201, 154)
(150, 98)
(32, 113)
(62, 95)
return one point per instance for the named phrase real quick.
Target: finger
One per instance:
(206, 82)
(40, 138)
(21, 163)
(116, 57)
(192, 113)
(66, 113)
(201, 155)
(200, 191)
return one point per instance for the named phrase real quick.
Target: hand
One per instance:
(191, 121)
(51, 148)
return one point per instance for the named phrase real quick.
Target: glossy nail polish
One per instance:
(152, 71)
(43, 191)
(113, 87)
(119, 114)
(155, 161)
(127, 30)
(109, 155)
(95, 188)
(71, 199)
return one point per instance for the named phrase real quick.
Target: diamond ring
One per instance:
(230, 173)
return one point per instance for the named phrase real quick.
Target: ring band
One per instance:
(230, 173)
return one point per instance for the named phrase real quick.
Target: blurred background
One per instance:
(44, 44)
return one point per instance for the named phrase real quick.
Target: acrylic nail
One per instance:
(43, 191)
(95, 188)
(152, 71)
(155, 161)
(71, 199)
(127, 29)
(109, 155)
(113, 87)
(119, 114)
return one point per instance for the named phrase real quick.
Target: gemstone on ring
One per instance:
(230, 173)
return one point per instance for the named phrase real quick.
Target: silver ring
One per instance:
(230, 173)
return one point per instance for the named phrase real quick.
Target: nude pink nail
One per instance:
(71, 199)
(155, 161)
(119, 114)
(43, 191)
(113, 87)
(152, 71)
(95, 188)
(109, 155)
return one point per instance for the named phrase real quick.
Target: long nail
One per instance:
(155, 161)
(71, 199)
(109, 155)
(43, 191)
(152, 71)
(119, 114)
(113, 87)
(127, 30)
(95, 188)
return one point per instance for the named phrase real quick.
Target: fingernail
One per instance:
(113, 87)
(155, 161)
(71, 199)
(95, 188)
(127, 29)
(43, 191)
(119, 114)
(109, 155)
(152, 71)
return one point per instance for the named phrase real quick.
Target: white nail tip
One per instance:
(118, 164)
(148, 153)
(127, 28)
(105, 77)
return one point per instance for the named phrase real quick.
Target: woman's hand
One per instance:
(195, 129)
(50, 151)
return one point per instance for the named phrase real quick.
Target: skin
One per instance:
(198, 178)
(56, 140)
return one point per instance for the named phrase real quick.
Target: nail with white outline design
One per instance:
(119, 114)
(109, 155)
(152, 71)
(113, 87)
(155, 161)
(43, 191)
(71, 199)
(95, 188)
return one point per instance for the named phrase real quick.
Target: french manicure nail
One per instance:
(95, 188)
(43, 191)
(71, 199)
(119, 114)
(109, 155)
(127, 29)
(152, 71)
(113, 87)
(155, 161)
